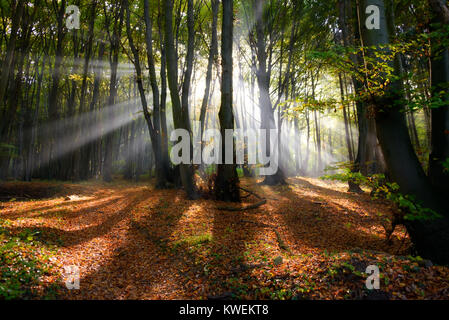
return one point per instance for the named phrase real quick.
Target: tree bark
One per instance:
(263, 81)
(115, 45)
(213, 51)
(431, 238)
(227, 183)
(179, 117)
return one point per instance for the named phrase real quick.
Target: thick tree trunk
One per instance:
(431, 238)
(179, 118)
(227, 183)
(161, 170)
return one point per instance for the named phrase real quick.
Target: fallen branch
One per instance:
(249, 207)
(281, 243)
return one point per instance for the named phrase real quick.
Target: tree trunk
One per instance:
(263, 81)
(7, 62)
(226, 186)
(81, 159)
(179, 119)
(92, 146)
(213, 51)
(431, 238)
(161, 170)
(164, 132)
(115, 45)
(53, 105)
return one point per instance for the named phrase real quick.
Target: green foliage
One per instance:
(411, 208)
(407, 204)
(377, 72)
(21, 269)
(373, 182)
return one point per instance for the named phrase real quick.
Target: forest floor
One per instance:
(311, 240)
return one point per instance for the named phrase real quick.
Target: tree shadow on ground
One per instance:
(172, 256)
(228, 262)
(323, 222)
(97, 225)
(145, 262)
(173, 248)
(54, 210)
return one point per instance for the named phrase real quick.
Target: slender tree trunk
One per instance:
(109, 140)
(31, 155)
(81, 160)
(213, 52)
(53, 97)
(93, 146)
(345, 117)
(7, 62)
(306, 159)
(263, 81)
(164, 132)
(69, 160)
(14, 93)
(298, 159)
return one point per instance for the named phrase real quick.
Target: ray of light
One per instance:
(95, 125)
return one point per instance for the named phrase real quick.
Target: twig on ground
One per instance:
(248, 207)
(252, 206)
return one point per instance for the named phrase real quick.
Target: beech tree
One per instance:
(431, 238)
(227, 179)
